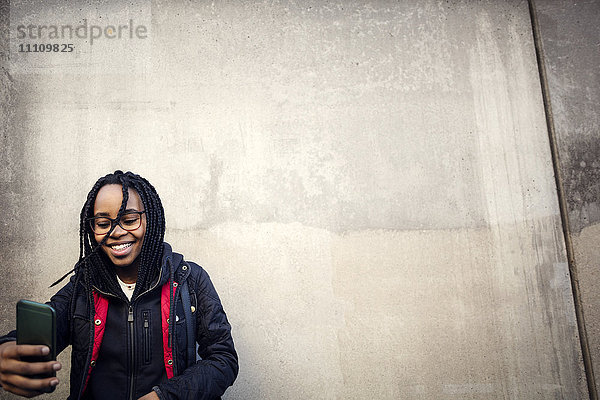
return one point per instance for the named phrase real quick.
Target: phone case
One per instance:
(36, 324)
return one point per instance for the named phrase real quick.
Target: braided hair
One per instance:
(93, 267)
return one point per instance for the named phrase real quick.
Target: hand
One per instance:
(15, 374)
(150, 396)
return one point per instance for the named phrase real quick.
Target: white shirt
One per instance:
(127, 288)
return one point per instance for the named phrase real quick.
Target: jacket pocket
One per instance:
(147, 338)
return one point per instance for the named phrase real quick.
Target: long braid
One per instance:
(152, 253)
(84, 248)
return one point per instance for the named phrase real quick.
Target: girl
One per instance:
(134, 312)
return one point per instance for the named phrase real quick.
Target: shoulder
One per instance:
(195, 269)
(200, 281)
(196, 276)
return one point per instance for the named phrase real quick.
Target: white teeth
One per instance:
(121, 246)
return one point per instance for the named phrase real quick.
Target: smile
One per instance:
(120, 247)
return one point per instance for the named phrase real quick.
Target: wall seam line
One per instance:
(563, 207)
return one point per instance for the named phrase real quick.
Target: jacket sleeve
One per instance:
(9, 337)
(60, 303)
(209, 377)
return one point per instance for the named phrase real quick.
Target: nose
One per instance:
(118, 231)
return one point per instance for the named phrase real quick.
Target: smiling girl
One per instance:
(134, 312)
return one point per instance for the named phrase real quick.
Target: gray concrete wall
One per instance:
(369, 185)
(570, 37)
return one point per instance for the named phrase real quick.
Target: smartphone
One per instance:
(36, 324)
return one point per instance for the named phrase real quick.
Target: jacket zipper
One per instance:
(131, 341)
(146, 338)
(132, 351)
(130, 322)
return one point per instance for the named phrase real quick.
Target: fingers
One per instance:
(25, 350)
(17, 376)
(32, 368)
(28, 387)
(44, 388)
(32, 385)
(11, 362)
(19, 391)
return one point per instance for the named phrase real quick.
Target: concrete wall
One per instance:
(369, 185)
(570, 38)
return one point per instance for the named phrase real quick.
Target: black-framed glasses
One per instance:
(129, 221)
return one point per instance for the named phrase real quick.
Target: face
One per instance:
(122, 247)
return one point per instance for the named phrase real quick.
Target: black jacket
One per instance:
(195, 299)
